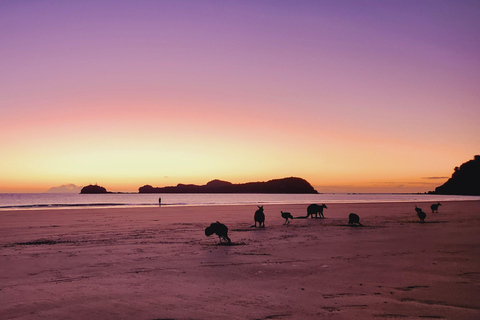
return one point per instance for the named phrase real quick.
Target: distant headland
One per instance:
(290, 185)
(465, 180)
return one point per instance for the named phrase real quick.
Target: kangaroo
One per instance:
(435, 206)
(315, 209)
(354, 218)
(220, 230)
(259, 217)
(421, 215)
(286, 216)
(418, 210)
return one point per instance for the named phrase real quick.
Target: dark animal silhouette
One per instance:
(286, 216)
(418, 210)
(354, 218)
(421, 215)
(220, 230)
(315, 209)
(259, 217)
(435, 206)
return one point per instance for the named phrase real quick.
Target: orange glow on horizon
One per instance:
(241, 92)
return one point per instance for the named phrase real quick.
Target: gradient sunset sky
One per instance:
(353, 96)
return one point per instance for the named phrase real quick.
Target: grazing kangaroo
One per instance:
(259, 217)
(315, 209)
(286, 216)
(435, 206)
(220, 230)
(354, 218)
(421, 215)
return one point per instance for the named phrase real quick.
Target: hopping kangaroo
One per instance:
(315, 209)
(259, 217)
(435, 206)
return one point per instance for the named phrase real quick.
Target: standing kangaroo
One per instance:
(315, 209)
(259, 217)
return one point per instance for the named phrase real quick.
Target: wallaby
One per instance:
(417, 209)
(421, 215)
(259, 217)
(315, 209)
(220, 230)
(435, 206)
(354, 218)
(286, 216)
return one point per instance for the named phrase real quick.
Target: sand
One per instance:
(157, 263)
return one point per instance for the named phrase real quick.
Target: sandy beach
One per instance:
(157, 263)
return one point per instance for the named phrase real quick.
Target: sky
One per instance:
(353, 96)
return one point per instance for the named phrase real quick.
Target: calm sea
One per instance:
(9, 201)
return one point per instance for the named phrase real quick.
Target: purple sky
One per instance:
(350, 95)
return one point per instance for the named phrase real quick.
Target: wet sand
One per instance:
(157, 263)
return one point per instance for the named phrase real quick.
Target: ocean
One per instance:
(15, 201)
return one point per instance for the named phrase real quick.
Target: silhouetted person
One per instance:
(315, 209)
(354, 218)
(220, 230)
(286, 216)
(259, 217)
(421, 215)
(435, 206)
(159, 201)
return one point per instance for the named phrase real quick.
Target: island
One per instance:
(93, 188)
(465, 180)
(291, 185)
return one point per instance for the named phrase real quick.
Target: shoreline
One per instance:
(93, 205)
(156, 262)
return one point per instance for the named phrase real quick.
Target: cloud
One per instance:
(434, 178)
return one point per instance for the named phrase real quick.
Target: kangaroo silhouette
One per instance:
(354, 218)
(286, 216)
(315, 209)
(259, 217)
(421, 215)
(220, 230)
(435, 206)
(418, 210)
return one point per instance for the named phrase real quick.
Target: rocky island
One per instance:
(290, 185)
(93, 188)
(465, 180)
